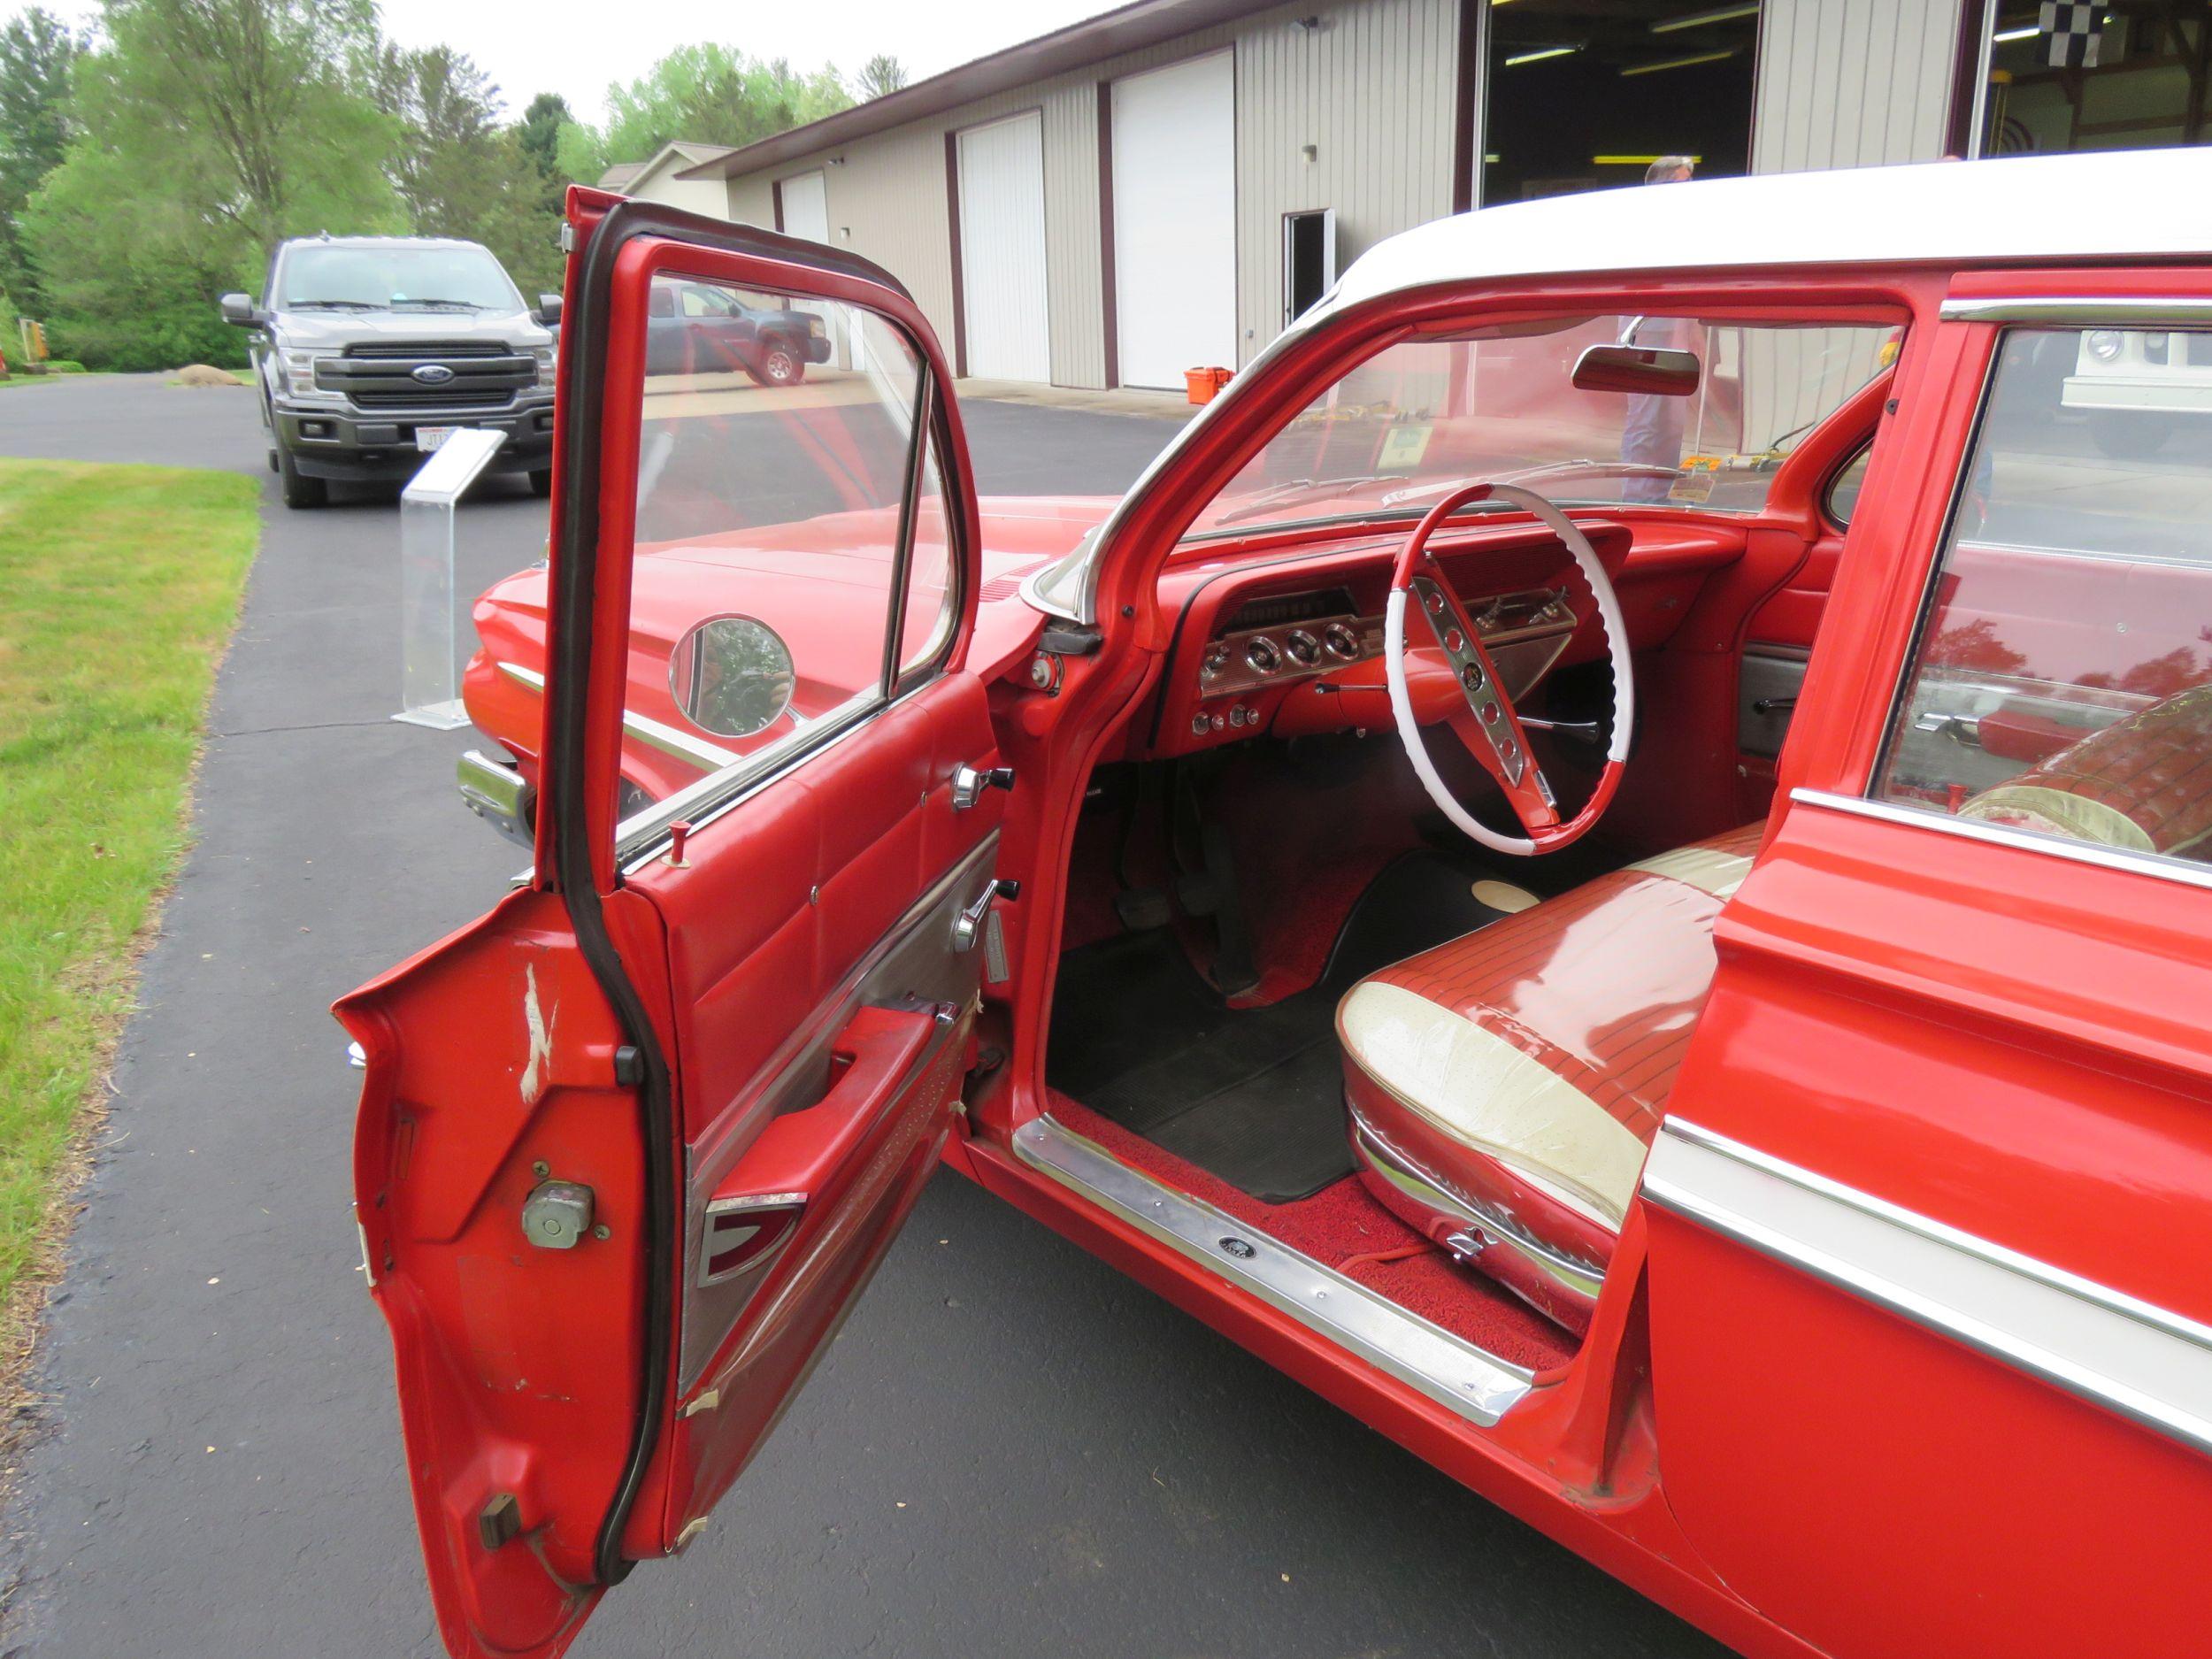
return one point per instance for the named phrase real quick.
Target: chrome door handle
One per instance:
(969, 783)
(967, 927)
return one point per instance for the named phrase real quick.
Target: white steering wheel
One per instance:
(1487, 724)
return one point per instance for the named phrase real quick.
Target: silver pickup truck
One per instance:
(370, 352)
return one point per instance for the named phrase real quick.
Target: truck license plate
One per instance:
(431, 438)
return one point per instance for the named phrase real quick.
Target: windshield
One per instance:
(396, 278)
(1420, 417)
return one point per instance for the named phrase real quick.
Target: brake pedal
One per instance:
(1142, 909)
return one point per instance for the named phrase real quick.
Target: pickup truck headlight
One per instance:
(2104, 344)
(299, 371)
(548, 362)
(815, 329)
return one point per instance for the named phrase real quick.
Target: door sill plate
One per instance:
(1479, 1386)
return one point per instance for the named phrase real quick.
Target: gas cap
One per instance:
(557, 1215)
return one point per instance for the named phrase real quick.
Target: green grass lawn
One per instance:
(121, 585)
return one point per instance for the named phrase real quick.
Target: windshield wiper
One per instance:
(467, 306)
(331, 306)
(1253, 507)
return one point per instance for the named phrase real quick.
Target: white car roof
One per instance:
(2128, 206)
(2120, 205)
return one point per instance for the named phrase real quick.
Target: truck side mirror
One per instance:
(549, 310)
(239, 312)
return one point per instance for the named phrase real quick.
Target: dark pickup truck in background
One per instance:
(370, 352)
(699, 328)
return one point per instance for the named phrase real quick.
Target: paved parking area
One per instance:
(1011, 1450)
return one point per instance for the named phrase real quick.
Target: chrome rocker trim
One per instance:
(1479, 1386)
(2129, 1357)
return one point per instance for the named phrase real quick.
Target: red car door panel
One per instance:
(491, 1071)
(1929, 1216)
(1958, 1444)
(625, 1155)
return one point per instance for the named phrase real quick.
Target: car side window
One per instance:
(2062, 680)
(1842, 499)
(794, 565)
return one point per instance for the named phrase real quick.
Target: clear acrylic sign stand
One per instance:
(432, 649)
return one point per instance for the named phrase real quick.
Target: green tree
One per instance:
(579, 154)
(459, 170)
(205, 131)
(880, 74)
(715, 94)
(36, 50)
(539, 132)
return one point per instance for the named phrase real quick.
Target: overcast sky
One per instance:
(575, 48)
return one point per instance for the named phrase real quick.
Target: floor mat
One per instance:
(1252, 1095)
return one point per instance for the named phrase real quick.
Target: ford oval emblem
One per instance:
(432, 374)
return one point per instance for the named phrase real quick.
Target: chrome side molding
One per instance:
(1479, 1387)
(2131, 1356)
(2145, 310)
(1939, 823)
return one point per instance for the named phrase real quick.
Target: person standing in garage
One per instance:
(1651, 428)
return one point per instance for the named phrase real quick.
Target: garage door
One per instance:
(805, 207)
(1003, 250)
(1175, 203)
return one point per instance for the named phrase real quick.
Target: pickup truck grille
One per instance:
(485, 374)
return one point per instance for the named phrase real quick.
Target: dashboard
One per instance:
(1288, 641)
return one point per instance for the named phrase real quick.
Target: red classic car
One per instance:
(1608, 860)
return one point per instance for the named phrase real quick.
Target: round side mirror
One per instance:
(731, 676)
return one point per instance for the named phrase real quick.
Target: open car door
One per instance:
(630, 1144)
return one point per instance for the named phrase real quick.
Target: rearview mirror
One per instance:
(1652, 371)
(549, 310)
(238, 310)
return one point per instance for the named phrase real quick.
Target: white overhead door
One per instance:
(805, 207)
(1175, 204)
(1003, 250)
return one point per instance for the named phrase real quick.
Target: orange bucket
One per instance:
(1202, 384)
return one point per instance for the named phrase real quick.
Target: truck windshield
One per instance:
(394, 277)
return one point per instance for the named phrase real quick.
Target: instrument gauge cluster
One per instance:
(1278, 640)
(1252, 658)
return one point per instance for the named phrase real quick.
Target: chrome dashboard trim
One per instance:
(2144, 1361)
(2167, 869)
(1477, 1386)
(2135, 311)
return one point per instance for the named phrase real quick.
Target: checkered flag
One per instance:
(2074, 30)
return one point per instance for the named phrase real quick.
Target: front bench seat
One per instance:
(1504, 1087)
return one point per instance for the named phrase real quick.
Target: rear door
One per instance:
(630, 1144)
(1931, 1326)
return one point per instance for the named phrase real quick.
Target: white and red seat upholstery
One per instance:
(1504, 1087)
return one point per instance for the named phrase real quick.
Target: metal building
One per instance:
(1163, 187)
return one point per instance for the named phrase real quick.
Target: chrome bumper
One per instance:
(497, 792)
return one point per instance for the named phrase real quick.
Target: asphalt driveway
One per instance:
(1009, 1451)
